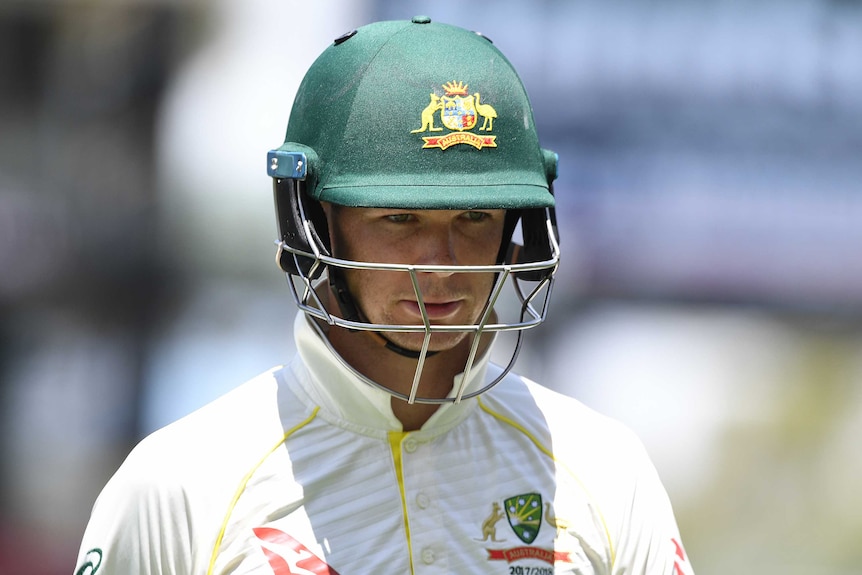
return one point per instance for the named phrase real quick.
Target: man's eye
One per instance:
(475, 216)
(398, 218)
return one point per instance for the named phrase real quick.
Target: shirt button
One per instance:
(428, 556)
(410, 445)
(423, 501)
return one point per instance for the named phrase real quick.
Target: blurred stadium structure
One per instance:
(710, 203)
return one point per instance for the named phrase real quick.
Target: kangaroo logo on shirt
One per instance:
(525, 515)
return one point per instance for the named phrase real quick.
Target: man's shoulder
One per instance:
(562, 419)
(228, 414)
(523, 394)
(220, 434)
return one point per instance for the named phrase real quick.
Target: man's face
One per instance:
(418, 237)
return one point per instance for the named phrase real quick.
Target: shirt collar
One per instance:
(341, 393)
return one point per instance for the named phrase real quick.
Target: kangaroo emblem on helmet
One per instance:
(428, 115)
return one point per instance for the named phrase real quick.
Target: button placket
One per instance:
(425, 529)
(411, 445)
(422, 500)
(428, 556)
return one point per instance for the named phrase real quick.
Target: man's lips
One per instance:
(435, 310)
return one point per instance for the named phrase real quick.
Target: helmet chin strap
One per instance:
(351, 312)
(392, 346)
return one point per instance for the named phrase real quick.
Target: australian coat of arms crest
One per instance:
(459, 111)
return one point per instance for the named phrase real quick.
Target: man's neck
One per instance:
(364, 352)
(367, 353)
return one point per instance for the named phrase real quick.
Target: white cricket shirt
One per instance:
(305, 470)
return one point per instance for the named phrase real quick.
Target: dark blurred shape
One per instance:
(80, 289)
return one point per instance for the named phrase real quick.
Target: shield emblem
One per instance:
(459, 113)
(525, 515)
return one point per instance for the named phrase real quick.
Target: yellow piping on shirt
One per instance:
(244, 483)
(550, 454)
(395, 439)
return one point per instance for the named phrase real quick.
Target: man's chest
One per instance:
(417, 506)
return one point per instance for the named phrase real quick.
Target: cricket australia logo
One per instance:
(459, 111)
(524, 513)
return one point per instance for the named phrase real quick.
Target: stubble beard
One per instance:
(439, 341)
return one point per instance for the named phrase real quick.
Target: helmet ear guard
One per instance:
(537, 244)
(294, 211)
(536, 226)
(291, 172)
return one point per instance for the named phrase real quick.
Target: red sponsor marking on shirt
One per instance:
(677, 564)
(301, 562)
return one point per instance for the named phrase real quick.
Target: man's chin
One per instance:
(439, 341)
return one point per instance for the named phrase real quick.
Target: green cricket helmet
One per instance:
(415, 115)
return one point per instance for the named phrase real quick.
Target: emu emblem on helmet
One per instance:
(459, 111)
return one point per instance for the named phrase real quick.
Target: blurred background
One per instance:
(710, 207)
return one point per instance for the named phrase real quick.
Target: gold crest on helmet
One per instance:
(460, 112)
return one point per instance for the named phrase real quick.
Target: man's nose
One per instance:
(437, 248)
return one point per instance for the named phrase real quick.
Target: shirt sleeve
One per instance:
(139, 525)
(648, 539)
